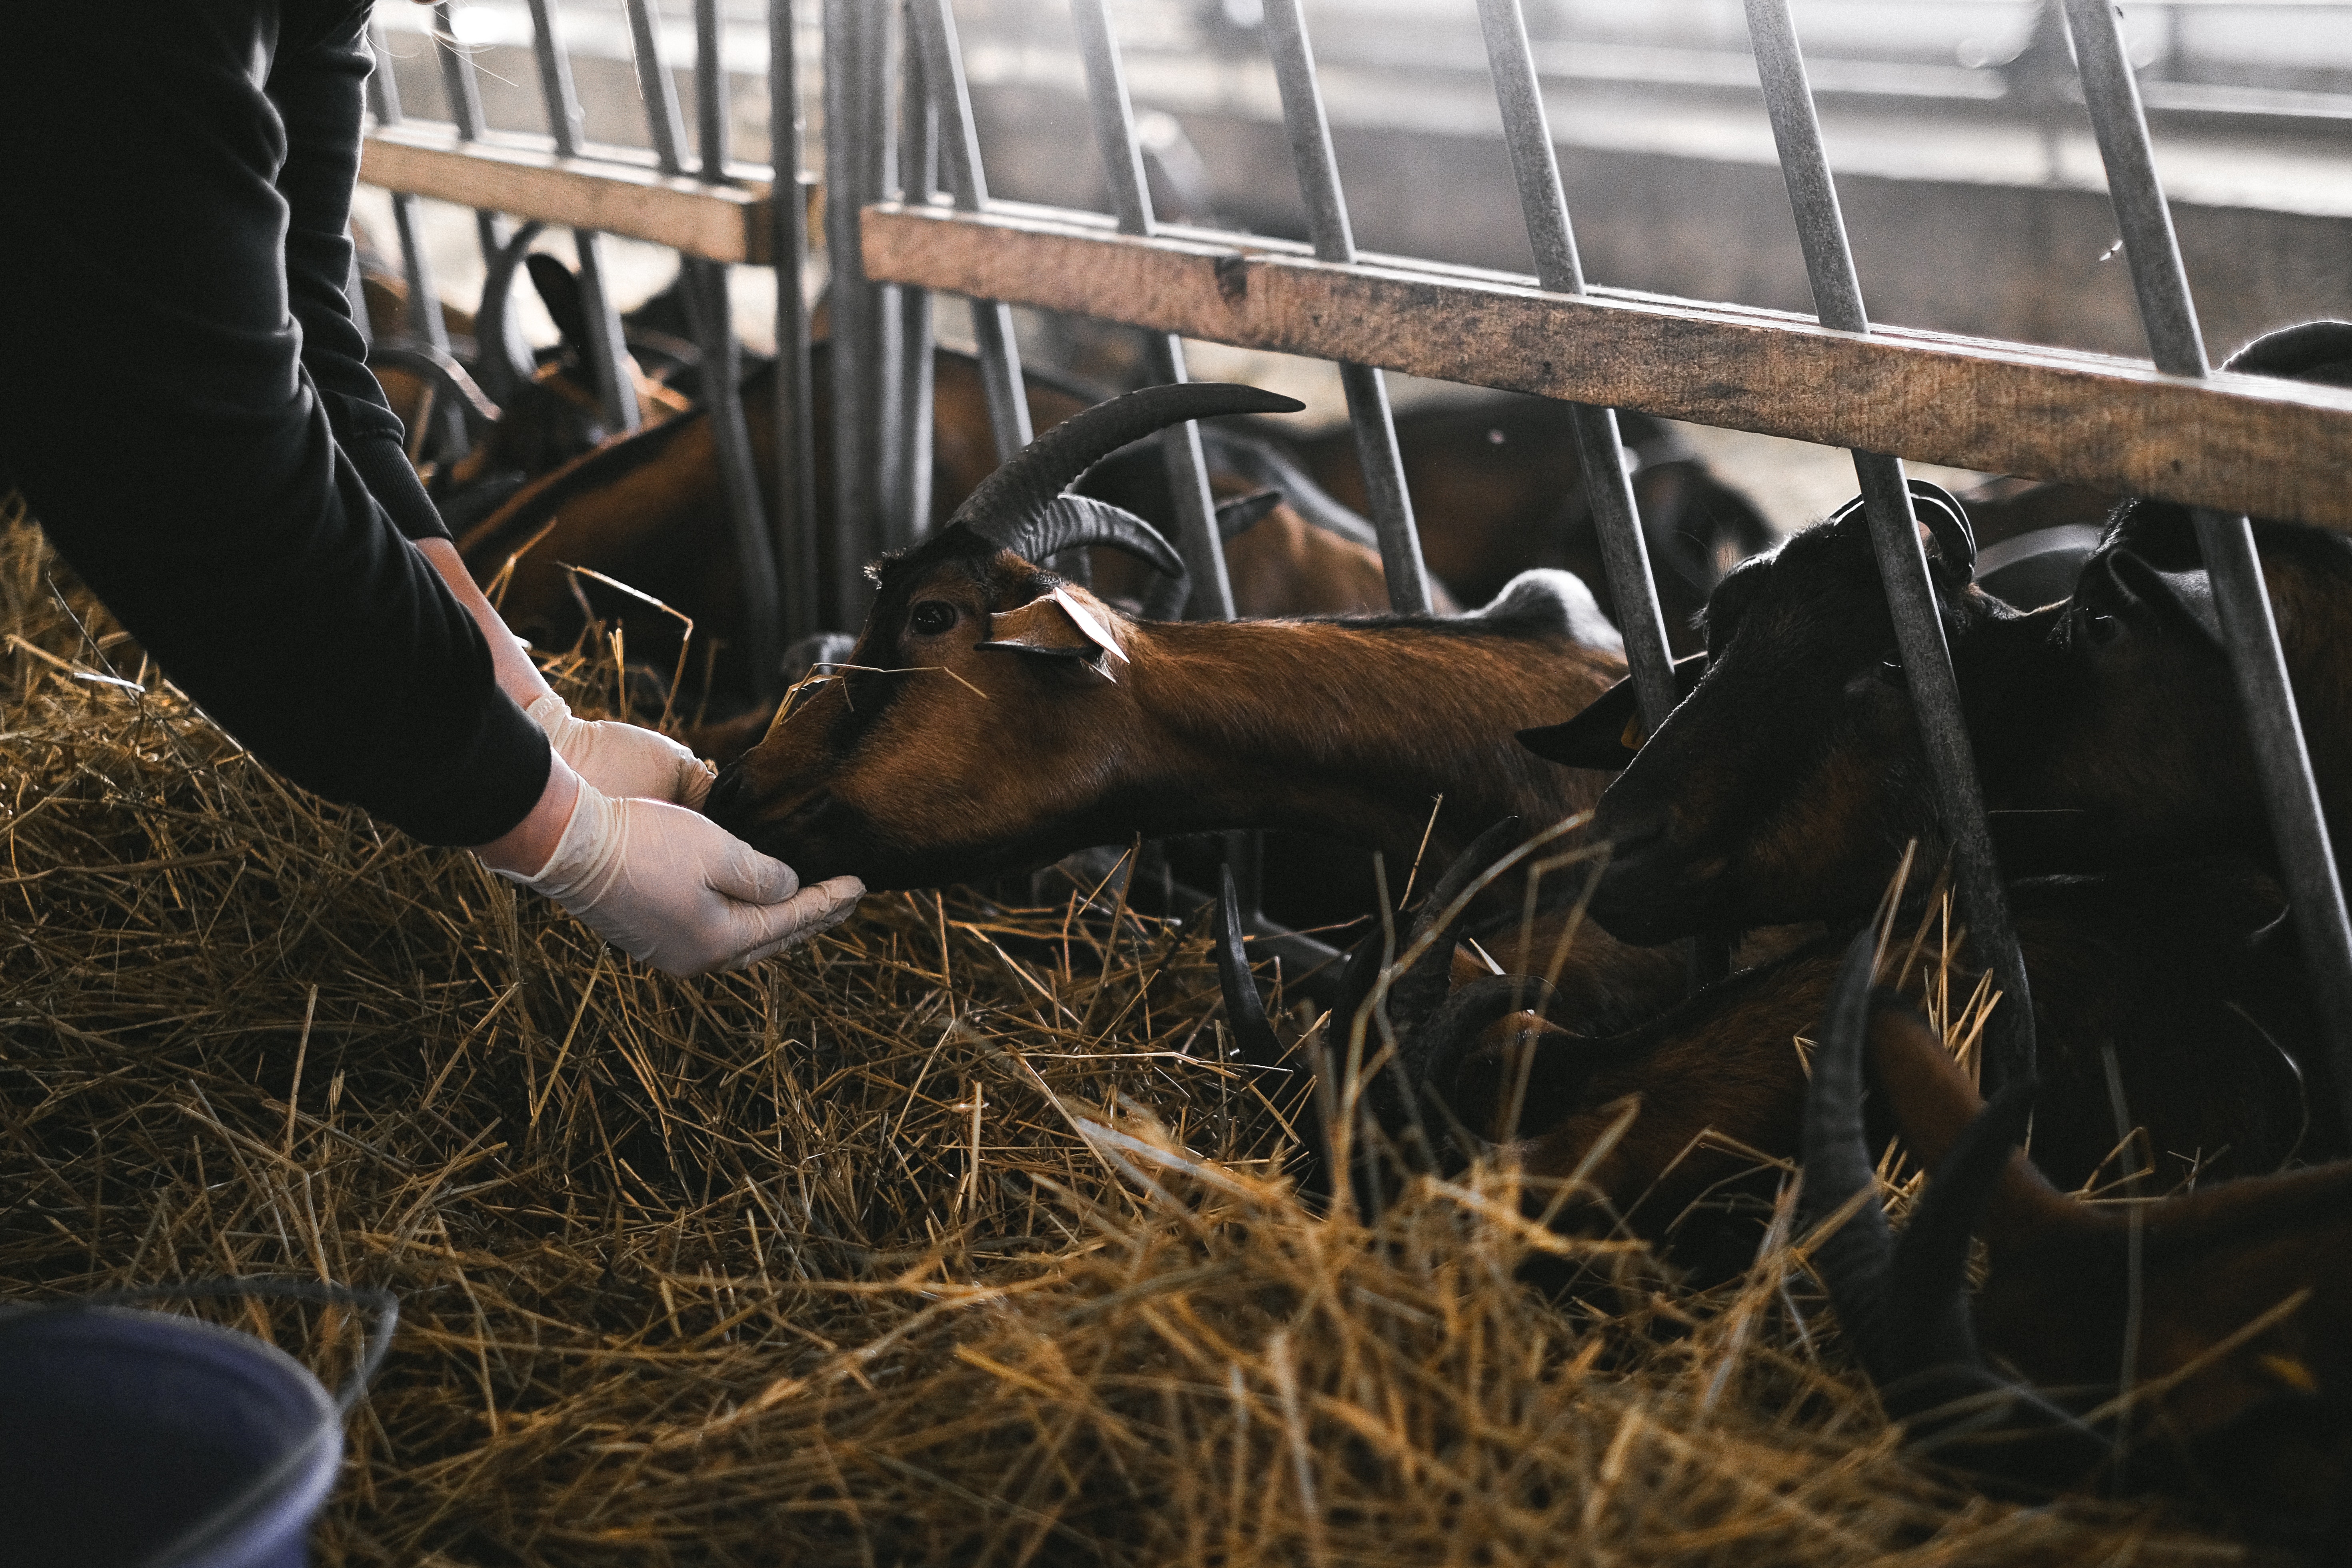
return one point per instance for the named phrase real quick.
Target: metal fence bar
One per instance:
(703, 284)
(2169, 316)
(423, 299)
(991, 321)
(1625, 551)
(463, 86)
(800, 584)
(1326, 218)
(664, 126)
(1122, 155)
(608, 358)
(907, 504)
(1895, 538)
(857, 148)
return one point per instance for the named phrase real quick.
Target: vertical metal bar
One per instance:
(2298, 824)
(799, 586)
(664, 125)
(1326, 218)
(608, 358)
(1188, 476)
(423, 299)
(856, 49)
(711, 139)
(703, 285)
(909, 503)
(1625, 551)
(1894, 539)
(463, 87)
(991, 321)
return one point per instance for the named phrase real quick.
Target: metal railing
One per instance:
(2226, 445)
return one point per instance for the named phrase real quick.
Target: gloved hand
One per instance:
(621, 760)
(673, 887)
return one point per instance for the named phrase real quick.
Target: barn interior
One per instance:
(981, 1228)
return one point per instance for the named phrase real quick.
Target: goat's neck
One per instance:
(1356, 729)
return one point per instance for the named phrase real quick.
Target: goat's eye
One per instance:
(2100, 628)
(1890, 670)
(931, 617)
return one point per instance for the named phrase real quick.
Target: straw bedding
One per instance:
(945, 1239)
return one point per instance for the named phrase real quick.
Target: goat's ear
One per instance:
(559, 290)
(1055, 625)
(1607, 733)
(2183, 598)
(1238, 516)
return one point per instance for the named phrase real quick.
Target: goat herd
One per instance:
(2194, 1336)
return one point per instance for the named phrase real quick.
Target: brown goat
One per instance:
(2229, 1309)
(2107, 728)
(994, 717)
(2186, 970)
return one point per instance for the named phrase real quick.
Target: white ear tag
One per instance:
(1084, 620)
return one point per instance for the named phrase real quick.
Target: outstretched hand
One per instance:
(666, 885)
(621, 760)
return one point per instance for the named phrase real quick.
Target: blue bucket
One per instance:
(140, 1437)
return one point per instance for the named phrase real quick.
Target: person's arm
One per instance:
(618, 758)
(155, 413)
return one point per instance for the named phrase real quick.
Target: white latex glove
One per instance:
(621, 760)
(671, 887)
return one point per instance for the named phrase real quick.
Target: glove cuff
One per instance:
(584, 855)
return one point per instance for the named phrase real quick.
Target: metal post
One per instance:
(1188, 476)
(992, 320)
(703, 284)
(1895, 538)
(1327, 217)
(800, 583)
(1616, 519)
(908, 505)
(606, 356)
(463, 87)
(423, 298)
(2298, 824)
(857, 148)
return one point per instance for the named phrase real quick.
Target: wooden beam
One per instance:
(2275, 448)
(719, 223)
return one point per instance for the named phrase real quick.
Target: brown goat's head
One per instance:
(971, 729)
(1786, 784)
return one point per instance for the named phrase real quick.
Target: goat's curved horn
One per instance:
(1245, 1008)
(1009, 503)
(496, 363)
(1066, 522)
(1245, 1011)
(1852, 1260)
(1942, 514)
(1906, 1306)
(1947, 522)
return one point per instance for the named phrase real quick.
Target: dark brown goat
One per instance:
(993, 717)
(2229, 1310)
(2107, 729)
(2187, 970)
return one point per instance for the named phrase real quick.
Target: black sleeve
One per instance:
(156, 411)
(316, 85)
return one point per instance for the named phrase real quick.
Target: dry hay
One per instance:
(945, 1239)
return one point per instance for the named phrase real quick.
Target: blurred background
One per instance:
(1964, 157)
